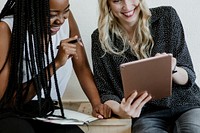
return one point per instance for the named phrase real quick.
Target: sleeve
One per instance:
(102, 71)
(181, 52)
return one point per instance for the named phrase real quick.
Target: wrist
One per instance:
(57, 65)
(95, 103)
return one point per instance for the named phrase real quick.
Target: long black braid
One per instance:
(30, 40)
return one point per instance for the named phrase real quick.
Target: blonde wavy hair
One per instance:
(107, 23)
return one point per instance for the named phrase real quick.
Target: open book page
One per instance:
(72, 118)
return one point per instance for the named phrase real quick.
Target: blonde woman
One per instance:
(127, 31)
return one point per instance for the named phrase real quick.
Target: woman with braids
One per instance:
(127, 31)
(32, 66)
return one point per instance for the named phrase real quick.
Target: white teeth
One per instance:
(128, 14)
(56, 28)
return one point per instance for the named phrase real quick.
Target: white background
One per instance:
(86, 14)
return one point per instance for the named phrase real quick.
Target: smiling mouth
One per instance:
(129, 14)
(55, 29)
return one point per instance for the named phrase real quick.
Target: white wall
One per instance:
(86, 14)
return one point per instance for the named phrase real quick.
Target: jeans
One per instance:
(166, 121)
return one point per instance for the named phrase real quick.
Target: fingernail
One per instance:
(100, 116)
(81, 44)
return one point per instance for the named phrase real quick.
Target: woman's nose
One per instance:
(60, 19)
(127, 4)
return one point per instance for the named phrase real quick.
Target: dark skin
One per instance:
(5, 35)
(60, 12)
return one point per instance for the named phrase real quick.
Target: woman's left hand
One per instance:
(101, 111)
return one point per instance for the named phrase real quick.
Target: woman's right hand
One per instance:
(132, 106)
(65, 51)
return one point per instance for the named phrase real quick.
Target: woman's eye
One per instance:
(66, 12)
(115, 1)
(52, 16)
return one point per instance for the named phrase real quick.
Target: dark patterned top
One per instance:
(168, 35)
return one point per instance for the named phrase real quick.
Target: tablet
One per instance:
(153, 74)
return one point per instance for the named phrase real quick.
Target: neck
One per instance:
(130, 29)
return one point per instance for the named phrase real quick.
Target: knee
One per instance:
(191, 116)
(189, 121)
(15, 125)
(188, 128)
(149, 125)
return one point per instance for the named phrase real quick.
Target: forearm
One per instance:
(92, 94)
(87, 83)
(180, 76)
(32, 91)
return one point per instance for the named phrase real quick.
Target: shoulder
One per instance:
(3, 26)
(5, 35)
(8, 20)
(5, 32)
(96, 44)
(162, 9)
(95, 33)
(95, 37)
(163, 12)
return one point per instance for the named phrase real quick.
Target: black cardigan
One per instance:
(168, 36)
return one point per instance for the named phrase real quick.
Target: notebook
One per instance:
(153, 74)
(71, 118)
